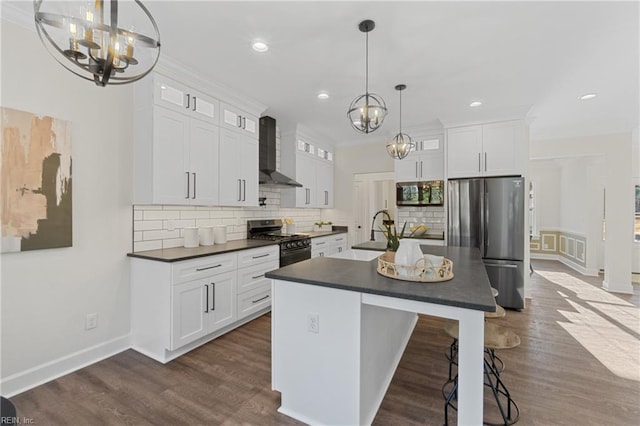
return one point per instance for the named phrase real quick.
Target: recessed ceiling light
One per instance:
(260, 46)
(587, 96)
(475, 104)
(323, 95)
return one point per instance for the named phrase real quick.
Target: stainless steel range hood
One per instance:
(269, 176)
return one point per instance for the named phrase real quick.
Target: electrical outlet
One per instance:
(170, 225)
(313, 323)
(91, 321)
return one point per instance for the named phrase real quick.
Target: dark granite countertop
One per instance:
(181, 253)
(470, 287)
(371, 245)
(334, 231)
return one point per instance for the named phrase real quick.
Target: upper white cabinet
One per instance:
(189, 148)
(179, 97)
(174, 146)
(312, 166)
(425, 162)
(238, 169)
(493, 149)
(238, 120)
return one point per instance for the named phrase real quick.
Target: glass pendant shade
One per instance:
(104, 41)
(401, 144)
(367, 112)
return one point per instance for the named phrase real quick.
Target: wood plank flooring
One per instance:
(553, 378)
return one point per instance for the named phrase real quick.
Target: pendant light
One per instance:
(367, 112)
(96, 40)
(401, 144)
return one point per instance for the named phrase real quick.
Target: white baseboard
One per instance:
(619, 288)
(543, 256)
(25, 380)
(579, 268)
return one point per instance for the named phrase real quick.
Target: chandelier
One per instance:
(98, 41)
(367, 112)
(401, 144)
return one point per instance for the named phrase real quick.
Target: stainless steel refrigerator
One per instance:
(488, 213)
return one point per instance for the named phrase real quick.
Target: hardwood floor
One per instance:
(579, 363)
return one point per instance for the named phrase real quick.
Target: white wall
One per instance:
(46, 294)
(545, 176)
(617, 152)
(351, 160)
(636, 181)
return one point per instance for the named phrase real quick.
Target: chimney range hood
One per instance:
(269, 176)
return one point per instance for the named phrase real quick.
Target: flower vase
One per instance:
(408, 254)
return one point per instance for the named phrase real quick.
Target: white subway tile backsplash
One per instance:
(194, 214)
(179, 208)
(160, 234)
(172, 242)
(178, 223)
(146, 225)
(147, 245)
(137, 215)
(160, 214)
(137, 236)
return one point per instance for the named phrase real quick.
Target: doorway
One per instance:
(372, 192)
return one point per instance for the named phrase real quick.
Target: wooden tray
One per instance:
(417, 273)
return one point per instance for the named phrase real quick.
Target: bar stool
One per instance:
(496, 337)
(500, 312)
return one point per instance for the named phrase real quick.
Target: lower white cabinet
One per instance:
(326, 246)
(178, 306)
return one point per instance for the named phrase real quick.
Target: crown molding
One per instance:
(482, 116)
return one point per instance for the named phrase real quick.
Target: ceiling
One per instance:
(534, 57)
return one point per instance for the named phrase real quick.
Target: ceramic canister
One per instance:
(190, 236)
(220, 234)
(206, 236)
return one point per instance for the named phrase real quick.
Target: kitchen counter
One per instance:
(339, 330)
(178, 254)
(334, 231)
(469, 288)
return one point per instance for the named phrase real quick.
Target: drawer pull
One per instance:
(257, 276)
(319, 244)
(262, 255)
(261, 299)
(209, 267)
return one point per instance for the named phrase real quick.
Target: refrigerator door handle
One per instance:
(497, 265)
(484, 220)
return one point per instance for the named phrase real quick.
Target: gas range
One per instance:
(293, 247)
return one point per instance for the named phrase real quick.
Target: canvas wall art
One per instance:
(35, 188)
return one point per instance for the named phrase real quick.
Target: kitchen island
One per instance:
(339, 330)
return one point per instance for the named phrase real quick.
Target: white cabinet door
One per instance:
(181, 98)
(305, 175)
(203, 160)
(238, 169)
(171, 179)
(238, 120)
(464, 152)
(189, 312)
(502, 144)
(407, 169)
(431, 167)
(324, 183)
(222, 306)
(249, 172)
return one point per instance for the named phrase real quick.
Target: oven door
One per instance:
(287, 257)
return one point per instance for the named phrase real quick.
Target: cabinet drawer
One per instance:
(252, 277)
(340, 239)
(207, 266)
(258, 255)
(254, 300)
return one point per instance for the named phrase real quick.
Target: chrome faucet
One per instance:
(373, 238)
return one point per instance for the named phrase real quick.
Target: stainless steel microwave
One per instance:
(427, 193)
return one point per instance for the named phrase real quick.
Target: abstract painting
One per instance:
(35, 185)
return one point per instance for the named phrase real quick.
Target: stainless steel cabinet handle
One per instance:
(194, 103)
(417, 169)
(339, 239)
(194, 186)
(262, 255)
(495, 265)
(209, 267)
(239, 189)
(262, 298)
(213, 297)
(244, 190)
(421, 169)
(326, 198)
(188, 101)
(238, 121)
(244, 122)
(319, 244)
(485, 161)
(479, 169)
(339, 249)
(207, 299)
(257, 276)
(188, 185)
(321, 254)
